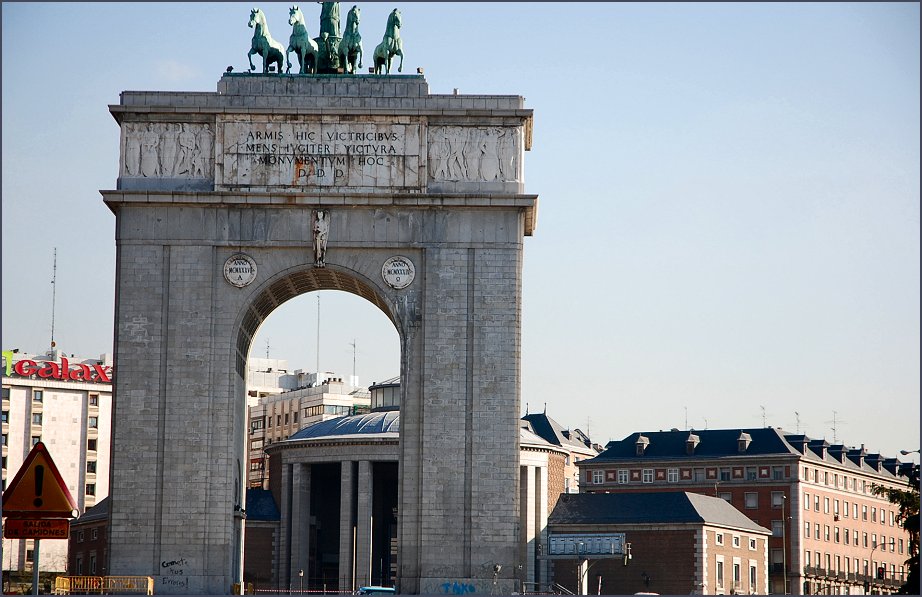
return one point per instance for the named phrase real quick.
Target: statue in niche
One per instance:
(150, 161)
(132, 151)
(204, 153)
(321, 229)
(186, 150)
(300, 43)
(169, 149)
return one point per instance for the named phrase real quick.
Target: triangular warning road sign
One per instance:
(37, 490)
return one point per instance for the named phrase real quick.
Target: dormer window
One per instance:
(641, 444)
(742, 442)
(691, 443)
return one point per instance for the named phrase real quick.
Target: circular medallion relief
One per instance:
(398, 272)
(240, 270)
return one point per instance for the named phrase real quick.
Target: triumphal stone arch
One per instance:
(230, 203)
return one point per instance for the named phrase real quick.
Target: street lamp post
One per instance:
(891, 543)
(301, 581)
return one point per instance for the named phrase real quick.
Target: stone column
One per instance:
(300, 520)
(543, 571)
(284, 572)
(529, 507)
(346, 537)
(363, 524)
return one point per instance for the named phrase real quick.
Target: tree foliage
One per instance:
(907, 500)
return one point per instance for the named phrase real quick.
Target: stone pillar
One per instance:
(346, 529)
(285, 531)
(363, 525)
(300, 521)
(543, 567)
(529, 507)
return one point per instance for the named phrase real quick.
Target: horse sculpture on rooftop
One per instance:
(300, 43)
(390, 46)
(263, 44)
(350, 48)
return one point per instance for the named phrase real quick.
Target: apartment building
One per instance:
(275, 417)
(829, 532)
(65, 402)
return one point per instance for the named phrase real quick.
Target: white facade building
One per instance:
(65, 402)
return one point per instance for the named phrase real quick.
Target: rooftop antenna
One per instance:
(834, 428)
(763, 415)
(526, 409)
(797, 415)
(267, 348)
(54, 277)
(705, 423)
(354, 349)
(545, 408)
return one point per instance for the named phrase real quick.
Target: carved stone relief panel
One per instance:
(475, 154)
(168, 150)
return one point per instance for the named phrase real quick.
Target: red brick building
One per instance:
(88, 544)
(828, 530)
(680, 543)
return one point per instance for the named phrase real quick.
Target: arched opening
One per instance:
(298, 281)
(286, 304)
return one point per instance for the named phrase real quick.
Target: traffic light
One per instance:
(880, 572)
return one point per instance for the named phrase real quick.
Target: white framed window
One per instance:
(777, 499)
(720, 573)
(751, 500)
(648, 475)
(816, 531)
(826, 532)
(845, 509)
(807, 558)
(736, 540)
(753, 586)
(672, 475)
(622, 476)
(806, 501)
(807, 529)
(598, 477)
(826, 505)
(752, 544)
(719, 538)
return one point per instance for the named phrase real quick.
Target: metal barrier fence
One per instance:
(103, 585)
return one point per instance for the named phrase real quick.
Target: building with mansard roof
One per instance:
(829, 532)
(336, 486)
(679, 543)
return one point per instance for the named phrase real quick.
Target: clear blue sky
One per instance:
(729, 198)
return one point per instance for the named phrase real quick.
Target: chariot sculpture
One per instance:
(328, 53)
